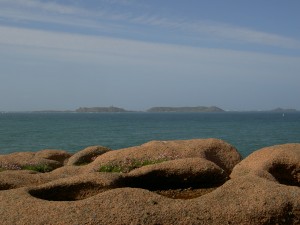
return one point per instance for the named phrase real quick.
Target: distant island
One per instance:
(153, 109)
(283, 110)
(186, 109)
(53, 111)
(162, 109)
(100, 109)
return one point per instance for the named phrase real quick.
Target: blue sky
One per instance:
(135, 54)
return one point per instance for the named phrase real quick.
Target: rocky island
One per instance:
(153, 109)
(161, 109)
(186, 109)
(100, 109)
(199, 181)
(281, 110)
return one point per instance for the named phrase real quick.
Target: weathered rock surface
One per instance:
(87, 155)
(178, 173)
(217, 151)
(76, 187)
(245, 200)
(80, 195)
(57, 155)
(11, 179)
(20, 159)
(279, 163)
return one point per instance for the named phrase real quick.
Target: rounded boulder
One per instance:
(87, 155)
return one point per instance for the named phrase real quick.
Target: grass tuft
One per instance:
(131, 165)
(38, 168)
(111, 169)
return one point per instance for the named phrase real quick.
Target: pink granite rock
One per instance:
(279, 163)
(19, 160)
(244, 200)
(179, 173)
(217, 151)
(87, 155)
(56, 155)
(263, 188)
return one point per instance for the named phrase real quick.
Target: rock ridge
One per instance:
(199, 181)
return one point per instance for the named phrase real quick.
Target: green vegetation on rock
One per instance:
(127, 167)
(38, 168)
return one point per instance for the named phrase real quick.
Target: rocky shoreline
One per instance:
(199, 181)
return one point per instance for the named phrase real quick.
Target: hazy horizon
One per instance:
(145, 109)
(137, 54)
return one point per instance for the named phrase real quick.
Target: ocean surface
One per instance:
(75, 131)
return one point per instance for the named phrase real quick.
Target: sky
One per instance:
(137, 54)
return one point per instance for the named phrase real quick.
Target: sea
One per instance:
(247, 131)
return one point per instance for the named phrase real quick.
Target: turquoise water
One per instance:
(75, 131)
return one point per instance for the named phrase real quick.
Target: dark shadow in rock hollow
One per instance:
(286, 174)
(172, 186)
(71, 192)
(158, 180)
(6, 187)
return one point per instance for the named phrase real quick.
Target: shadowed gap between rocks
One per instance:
(4, 187)
(174, 186)
(171, 187)
(152, 182)
(73, 192)
(286, 174)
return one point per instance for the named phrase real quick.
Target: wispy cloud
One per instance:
(122, 2)
(220, 30)
(44, 6)
(116, 21)
(59, 64)
(78, 46)
(36, 11)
